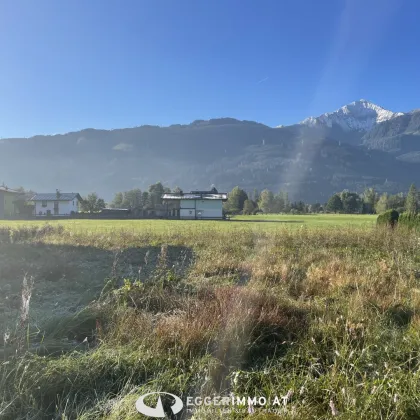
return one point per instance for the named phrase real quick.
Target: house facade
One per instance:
(7, 202)
(195, 205)
(56, 204)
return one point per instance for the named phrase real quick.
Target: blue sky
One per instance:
(73, 64)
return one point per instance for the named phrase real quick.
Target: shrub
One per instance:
(388, 218)
(410, 220)
(26, 233)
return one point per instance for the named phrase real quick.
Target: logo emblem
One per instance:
(158, 411)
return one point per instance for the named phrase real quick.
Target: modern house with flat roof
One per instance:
(195, 205)
(7, 202)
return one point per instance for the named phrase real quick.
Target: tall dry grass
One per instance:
(328, 320)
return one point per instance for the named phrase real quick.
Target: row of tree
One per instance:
(147, 200)
(242, 202)
(372, 202)
(369, 202)
(131, 199)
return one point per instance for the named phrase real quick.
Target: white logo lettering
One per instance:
(158, 411)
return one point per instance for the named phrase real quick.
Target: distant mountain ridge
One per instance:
(360, 115)
(357, 146)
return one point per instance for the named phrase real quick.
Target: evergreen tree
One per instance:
(411, 202)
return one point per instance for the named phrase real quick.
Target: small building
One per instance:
(195, 205)
(7, 202)
(56, 204)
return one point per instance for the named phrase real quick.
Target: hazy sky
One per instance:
(72, 64)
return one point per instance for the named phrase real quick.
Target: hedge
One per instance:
(388, 218)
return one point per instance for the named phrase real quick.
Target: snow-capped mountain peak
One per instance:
(360, 115)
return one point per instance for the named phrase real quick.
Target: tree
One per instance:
(298, 207)
(146, 202)
(382, 205)
(236, 201)
(315, 208)
(352, 202)
(92, 203)
(22, 202)
(177, 190)
(249, 207)
(266, 202)
(132, 199)
(370, 198)
(22, 190)
(116, 203)
(335, 204)
(281, 202)
(255, 196)
(411, 202)
(128, 200)
(155, 194)
(397, 202)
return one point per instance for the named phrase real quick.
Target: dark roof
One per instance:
(53, 197)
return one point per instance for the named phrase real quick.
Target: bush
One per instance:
(410, 220)
(388, 218)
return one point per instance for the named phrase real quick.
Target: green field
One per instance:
(265, 222)
(323, 309)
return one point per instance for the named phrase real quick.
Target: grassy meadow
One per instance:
(321, 311)
(270, 221)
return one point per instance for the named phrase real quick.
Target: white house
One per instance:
(195, 205)
(56, 204)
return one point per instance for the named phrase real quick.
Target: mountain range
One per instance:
(357, 146)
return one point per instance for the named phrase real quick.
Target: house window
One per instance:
(44, 203)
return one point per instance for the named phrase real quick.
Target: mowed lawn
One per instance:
(258, 222)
